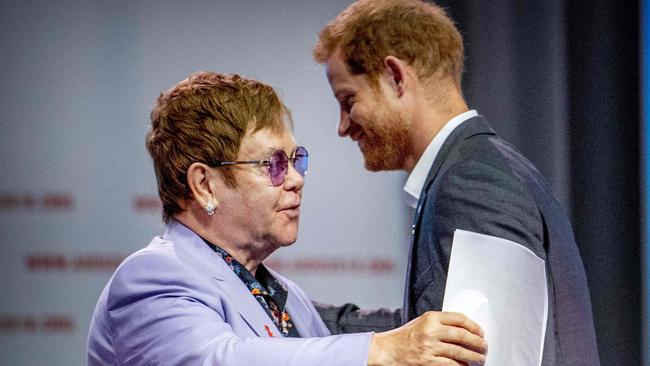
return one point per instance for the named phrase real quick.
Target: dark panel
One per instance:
(605, 131)
(515, 76)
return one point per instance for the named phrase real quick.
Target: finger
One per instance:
(463, 337)
(460, 354)
(444, 361)
(460, 320)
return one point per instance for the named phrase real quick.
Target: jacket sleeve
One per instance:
(479, 197)
(158, 316)
(348, 318)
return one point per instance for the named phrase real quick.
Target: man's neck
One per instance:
(433, 104)
(427, 125)
(249, 255)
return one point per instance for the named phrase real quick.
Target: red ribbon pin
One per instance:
(268, 330)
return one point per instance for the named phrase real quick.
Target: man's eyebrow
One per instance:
(266, 153)
(270, 150)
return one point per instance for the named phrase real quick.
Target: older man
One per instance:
(230, 177)
(395, 68)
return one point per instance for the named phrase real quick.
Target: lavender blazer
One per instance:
(176, 302)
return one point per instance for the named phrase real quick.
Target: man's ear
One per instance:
(395, 74)
(202, 187)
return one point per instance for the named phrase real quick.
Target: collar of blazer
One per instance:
(194, 253)
(472, 127)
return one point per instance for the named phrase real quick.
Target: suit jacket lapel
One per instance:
(192, 250)
(249, 308)
(301, 319)
(471, 127)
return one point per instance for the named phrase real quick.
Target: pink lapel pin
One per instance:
(268, 330)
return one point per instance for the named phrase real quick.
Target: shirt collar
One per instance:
(418, 176)
(262, 282)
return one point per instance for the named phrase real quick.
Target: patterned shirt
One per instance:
(266, 289)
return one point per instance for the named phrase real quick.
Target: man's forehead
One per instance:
(329, 74)
(335, 67)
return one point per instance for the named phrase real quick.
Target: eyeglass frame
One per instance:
(267, 163)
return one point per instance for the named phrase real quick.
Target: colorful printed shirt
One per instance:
(271, 295)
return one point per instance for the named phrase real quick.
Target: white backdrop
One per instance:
(77, 190)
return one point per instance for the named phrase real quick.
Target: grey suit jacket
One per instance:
(480, 183)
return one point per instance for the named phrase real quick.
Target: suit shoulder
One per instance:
(479, 172)
(487, 198)
(493, 151)
(148, 271)
(158, 253)
(483, 149)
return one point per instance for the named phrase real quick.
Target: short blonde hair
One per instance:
(420, 33)
(204, 119)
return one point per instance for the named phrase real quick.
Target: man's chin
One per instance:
(371, 160)
(286, 243)
(287, 240)
(380, 157)
(374, 164)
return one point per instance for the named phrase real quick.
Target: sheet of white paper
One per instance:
(502, 286)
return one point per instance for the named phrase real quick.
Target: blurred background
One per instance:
(560, 79)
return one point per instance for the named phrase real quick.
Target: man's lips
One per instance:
(357, 137)
(293, 212)
(291, 208)
(361, 141)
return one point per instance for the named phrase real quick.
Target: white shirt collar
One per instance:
(418, 175)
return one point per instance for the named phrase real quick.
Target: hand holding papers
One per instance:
(501, 285)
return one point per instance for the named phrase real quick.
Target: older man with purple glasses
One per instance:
(230, 177)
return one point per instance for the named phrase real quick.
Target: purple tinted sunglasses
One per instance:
(278, 164)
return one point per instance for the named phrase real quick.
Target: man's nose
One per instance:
(344, 124)
(293, 181)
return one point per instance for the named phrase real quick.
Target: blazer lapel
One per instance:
(305, 322)
(192, 250)
(249, 309)
(302, 321)
(471, 127)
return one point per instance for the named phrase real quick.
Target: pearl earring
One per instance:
(209, 207)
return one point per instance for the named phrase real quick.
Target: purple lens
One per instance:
(301, 160)
(278, 167)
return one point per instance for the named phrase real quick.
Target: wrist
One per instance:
(379, 353)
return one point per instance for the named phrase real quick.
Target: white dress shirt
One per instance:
(416, 179)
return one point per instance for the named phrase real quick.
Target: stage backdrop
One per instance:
(77, 190)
